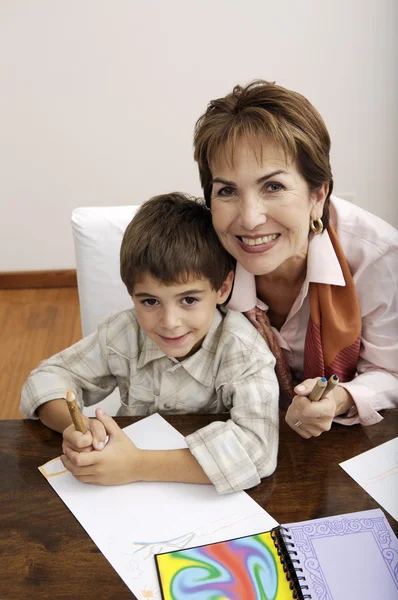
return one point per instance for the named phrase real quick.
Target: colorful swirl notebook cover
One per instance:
(347, 557)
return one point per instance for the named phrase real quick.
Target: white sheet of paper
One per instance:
(377, 472)
(131, 523)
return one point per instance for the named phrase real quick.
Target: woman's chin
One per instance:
(257, 264)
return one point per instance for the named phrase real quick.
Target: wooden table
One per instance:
(46, 554)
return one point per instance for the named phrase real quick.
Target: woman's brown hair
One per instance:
(259, 111)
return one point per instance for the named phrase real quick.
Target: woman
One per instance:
(315, 274)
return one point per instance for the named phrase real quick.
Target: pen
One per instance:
(318, 390)
(333, 381)
(74, 412)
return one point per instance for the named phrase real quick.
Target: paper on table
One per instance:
(347, 557)
(377, 472)
(131, 523)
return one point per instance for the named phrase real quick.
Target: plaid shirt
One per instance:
(233, 371)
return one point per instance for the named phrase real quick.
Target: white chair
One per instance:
(97, 235)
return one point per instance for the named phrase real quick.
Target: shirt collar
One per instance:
(149, 351)
(198, 365)
(322, 267)
(322, 263)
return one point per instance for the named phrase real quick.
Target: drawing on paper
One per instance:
(150, 548)
(148, 593)
(51, 469)
(386, 474)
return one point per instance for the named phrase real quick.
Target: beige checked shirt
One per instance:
(232, 372)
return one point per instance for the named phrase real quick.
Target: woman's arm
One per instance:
(376, 385)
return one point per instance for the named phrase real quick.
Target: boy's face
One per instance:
(177, 317)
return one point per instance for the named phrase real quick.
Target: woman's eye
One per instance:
(225, 192)
(149, 302)
(188, 301)
(273, 186)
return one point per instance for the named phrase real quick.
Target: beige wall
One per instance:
(99, 98)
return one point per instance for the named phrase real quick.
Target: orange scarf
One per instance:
(333, 335)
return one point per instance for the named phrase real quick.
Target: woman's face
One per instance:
(261, 208)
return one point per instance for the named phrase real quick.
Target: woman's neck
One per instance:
(280, 288)
(289, 273)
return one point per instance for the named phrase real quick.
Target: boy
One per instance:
(175, 352)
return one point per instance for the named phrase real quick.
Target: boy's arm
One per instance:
(172, 465)
(233, 455)
(55, 415)
(238, 453)
(122, 462)
(82, 367)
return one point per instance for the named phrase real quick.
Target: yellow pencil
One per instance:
(318, 390)
(74, 412)
(333, 381)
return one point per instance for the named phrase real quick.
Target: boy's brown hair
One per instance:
(259, 111)
(171, 237)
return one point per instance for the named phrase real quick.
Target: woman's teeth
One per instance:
(260, 240)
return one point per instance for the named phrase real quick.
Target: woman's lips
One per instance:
(175, 340)
(250, 249)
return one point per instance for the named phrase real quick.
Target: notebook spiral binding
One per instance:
(287, 553)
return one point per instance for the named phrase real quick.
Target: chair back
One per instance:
(97, 235)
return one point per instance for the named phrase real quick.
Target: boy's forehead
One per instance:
(149, 284)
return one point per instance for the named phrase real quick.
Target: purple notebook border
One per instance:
(373, 521)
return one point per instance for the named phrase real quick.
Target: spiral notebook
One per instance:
(352, 556)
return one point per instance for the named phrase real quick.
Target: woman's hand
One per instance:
(314, 418)
(118, 463)
(94, 438)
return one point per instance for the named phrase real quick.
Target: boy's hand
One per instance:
(93, 439)
(118, 463)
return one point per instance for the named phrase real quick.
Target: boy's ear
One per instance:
(225, 289)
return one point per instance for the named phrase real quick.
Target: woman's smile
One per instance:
(254, 245)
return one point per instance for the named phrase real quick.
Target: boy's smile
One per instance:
(177, 317)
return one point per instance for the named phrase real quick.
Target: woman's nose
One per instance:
(252, 213)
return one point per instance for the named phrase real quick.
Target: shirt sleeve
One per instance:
(237, 454)
(82, 368)
(376, 385)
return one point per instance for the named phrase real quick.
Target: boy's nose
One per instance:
(171, 319)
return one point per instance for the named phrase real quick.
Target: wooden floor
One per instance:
(34, 324)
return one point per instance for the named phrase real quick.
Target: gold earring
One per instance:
(316, 225)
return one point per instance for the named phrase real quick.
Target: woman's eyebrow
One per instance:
(273, 174)
(260, 180)
(221, 180)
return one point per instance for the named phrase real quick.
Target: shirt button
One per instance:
(166, 405)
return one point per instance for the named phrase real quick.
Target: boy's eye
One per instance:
(188, 301)
(149, 302)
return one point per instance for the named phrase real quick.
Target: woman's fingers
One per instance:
(310, 419)
(305, 387)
